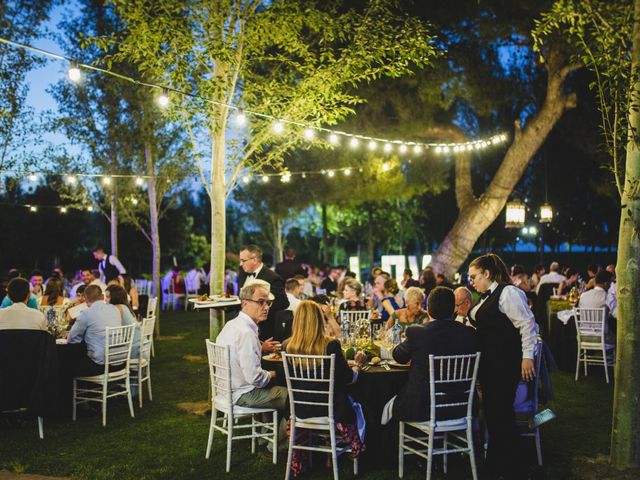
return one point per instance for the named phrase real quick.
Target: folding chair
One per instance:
(141, 366)
(590, 332)
(529, 405)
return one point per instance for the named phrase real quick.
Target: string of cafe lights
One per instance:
(279, 125)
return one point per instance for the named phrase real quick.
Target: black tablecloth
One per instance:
(563, 343)
(374, 388)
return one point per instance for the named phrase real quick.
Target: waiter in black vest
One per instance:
(251, 266)
(109, 265)
(507, 332)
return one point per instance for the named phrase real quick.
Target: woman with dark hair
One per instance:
(507, 332)
(519, 278)
(392, 300)
(570, 282)
(117, 296)
(427, 280)
(537, 275)
(132, 291)
(53, 294)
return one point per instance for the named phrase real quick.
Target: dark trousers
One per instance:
(498, 394)
(74, 362)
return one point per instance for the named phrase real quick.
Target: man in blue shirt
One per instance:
(90, 330)
(6, 301)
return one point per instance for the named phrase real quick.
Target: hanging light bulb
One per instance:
(372, 145)
(134, 200)
(387, 147)
(33, 208)
(265, 179)
(63, 209)
(304, 175)
(246, 179)
(74, 73)
(385, 167)
(546, 213)
(278, 127)
(445, 149)
(90, 208)
(402, 148)
(241, 119)
(71, 179)
(163, 99)
(106, 181)
(333, 139)
(33, 177)
(438, 149)
(354, 142)
(347, 171)
(417, 149)
(330, 173)
(139, 181)
(309, 133)
(286, 177)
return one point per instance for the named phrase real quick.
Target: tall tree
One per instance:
(605, 37)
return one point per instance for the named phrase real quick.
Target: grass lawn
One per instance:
(165, 442)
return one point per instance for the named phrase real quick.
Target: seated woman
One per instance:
(117, 296)
(53, 294)
(572, 281)
(391, 301)
(309, 338)
(132, 292)
(520, 279)
(413, 313)
(330, 324)
(351, 296)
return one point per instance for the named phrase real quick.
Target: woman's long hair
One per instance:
(118, 296)
(493, 264)
(307, 332)
(53, 290)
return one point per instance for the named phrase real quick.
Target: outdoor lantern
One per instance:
(515, 214)
(546, 213)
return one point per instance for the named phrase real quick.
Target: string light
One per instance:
(163, 100)
(134, 200)
(331, 173)
(387, 147)
(246, 179)
(309, 133)
(63, 209)
(354, 142)
(71, 179)
(33, 177)
(403, 148)
(139, 181)
(241, 119)
(106, 181)
(278, 127)
(265, 178)
(417, 149)
(33, 208)
(74, 73)
(347, 171)
(89, 208)
(385, 167)
(333, 139)
(372, 145)
(286, 178)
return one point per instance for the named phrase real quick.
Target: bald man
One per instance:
(464, 301)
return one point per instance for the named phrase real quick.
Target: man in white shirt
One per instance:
(87, 279)
(250, 384)
(108, 265)
(598, 296)
(195, 280)
(554, 276)
(464, 302)
(294, 287)
(18, 316)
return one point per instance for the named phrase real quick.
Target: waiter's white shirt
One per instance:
(551, 277)
(513, 303)
(293, 302)
(241, 335)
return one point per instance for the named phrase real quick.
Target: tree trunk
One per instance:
(625, 435)
(477, 214)
(114, 218)
(154, 224)
(218, 228)
(278, 249)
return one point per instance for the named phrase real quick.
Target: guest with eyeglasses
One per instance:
(251, 267)
(507, 332)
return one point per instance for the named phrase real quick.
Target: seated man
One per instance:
(6, 301)
(18, 316)
(90, 330)
(598, 297)
(293, 288)
(464, 302)
(250, 384)
(440, 336)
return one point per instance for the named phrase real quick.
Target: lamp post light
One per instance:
(515, 214)
(546, 213)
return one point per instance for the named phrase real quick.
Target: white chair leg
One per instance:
(538, 446)
(140, 383)
(229, 440)
(444, 455)
(586, 361)
(253, 434)
(606, 364)
(275, 437)
(41, 428)
(214, 415)
(129, 398)
(334, 455)
(75, 386)
(472, 454)
(578, 364)
(153, 348)
(149, 381)
(104, 405)
(401, 450)
(429, 453)
(292, 436)
(355, 466)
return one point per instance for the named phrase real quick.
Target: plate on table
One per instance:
(61, 341)
(395, 364)
(272, 357)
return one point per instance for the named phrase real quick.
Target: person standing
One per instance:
(109, 266)
(507, 332)
(251, 266)
(289, 268)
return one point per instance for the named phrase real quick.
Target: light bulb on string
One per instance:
(304, 175)
(106, 181)
(309, 133)
(163, 99)
(372, 145)
(33, 177)
(139, 181)
(63, 209)
(265, 179)
(330, 173)
(241, 119)
(354, 142)
(387, 147)
(285, 178)
(385, 167)
(438, 149)
(33, 208)
(417, 149)
(74, 73)
(246, 179)
(333, 139)
(90, 208)
(134, 200)
(469, 147)
(278, 128)
(71, 179)
(402, 149)
(445, 149)
(347, 171)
